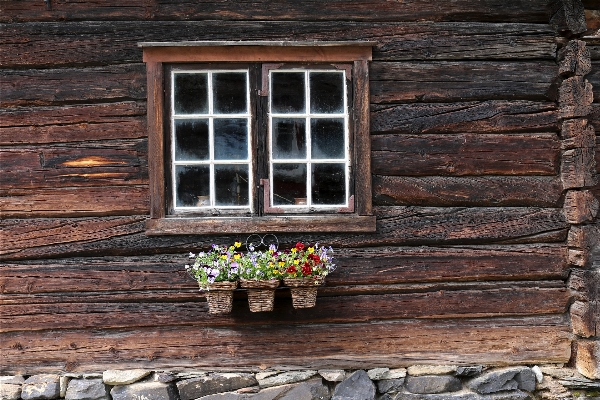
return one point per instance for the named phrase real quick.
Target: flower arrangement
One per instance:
(303, 261)
(220, 264)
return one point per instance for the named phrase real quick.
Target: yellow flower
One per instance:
(271, 265)
(237, 256)
(311, 250)
(281, 263)
(238, 244)
(296, 262)
(275, 272)
(294, 250)
(224, 257)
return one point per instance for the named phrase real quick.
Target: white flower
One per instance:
(192, 255)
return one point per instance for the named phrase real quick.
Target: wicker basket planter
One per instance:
(219, 297)
(261, 293)
(304, 290)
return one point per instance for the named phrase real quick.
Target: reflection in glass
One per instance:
(191, 182)
(327, 138)
(191, 140)
(231, 138)
(231, 185)
(287, 92)
(289, 183)
(328, 184)
(326, 92)
(289, 138)
(229, 93)
(191, 93)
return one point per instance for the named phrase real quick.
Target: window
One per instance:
(258, 137)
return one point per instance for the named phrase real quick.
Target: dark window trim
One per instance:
(156, 55)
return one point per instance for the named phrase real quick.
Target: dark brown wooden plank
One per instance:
(122, 162)
(535, 191)
(489, 341)
(537, 11)
(43, 238)
(335, 309)
(462, 81)
(29, 125)
(134, 276)
(465, 154)
(74, 202)
(83, 43)
(73, 85)
(465, 117)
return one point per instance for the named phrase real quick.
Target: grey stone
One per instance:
(395, 373)
(357, 386)
(504, 379)
(285, 378)
(12, 379)
(212, 384)
(115, 377)
(310, 390)
(145, 390)
(86, 389)
(469, 371)
(263, 375)
(426, 384)
(418, 370)
(377, 373)
(46, 386)
(64, 383)
(10, 391)
(164, 377)
(390, 385)
(464, 395)
(333, 375)
(386, 396)
(92, 375)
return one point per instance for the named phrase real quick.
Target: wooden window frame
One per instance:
(158, 55)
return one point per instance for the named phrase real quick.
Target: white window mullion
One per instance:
(211, 141)
(308, 140)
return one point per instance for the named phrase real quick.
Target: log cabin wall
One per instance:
(470, 260)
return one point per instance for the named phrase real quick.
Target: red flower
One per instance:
(315, 258)
(300, 246)
(291, 269)
(306, 269)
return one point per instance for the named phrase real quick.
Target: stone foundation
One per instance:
(432, 382)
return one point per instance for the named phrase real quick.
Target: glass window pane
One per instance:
(231, 138)
(229, 93)
(231, 185)
(192, 185)
(289, 184)
(191, 140)
(328, 184)
(287, 92)
(327, 138)
(326, 92)
(289, 138)
(191, 93)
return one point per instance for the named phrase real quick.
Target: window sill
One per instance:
(233, 225)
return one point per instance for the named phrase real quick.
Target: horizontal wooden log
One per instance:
(118, 162)
(73, 85)
(585, 318)
(334, 309)
(580, 206)
(43, 238)
(465, 154)
(75, 202)
(489, 341)
(588, 358)
(535, 191)
(29, 125)
(537, 11)
(107, 42)
(461, 81)
(493, 116)
(138, 277)
(575, 97)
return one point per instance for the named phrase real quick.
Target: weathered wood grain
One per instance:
(578, 168)
(42, 238)
(574, 59)
(585, 284)
(139, 276)
(72, 85)
(575, 97)
(462, 81)
(585, 318)
(594, 78)
(535, 191)
(490, 341)
(580, 206)
(588, 357)
(84, 43)
(30, 125)
(492, 116)
(537, 11)
(335, 309)
(465, 154)
(74, 202)
(91, 163)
